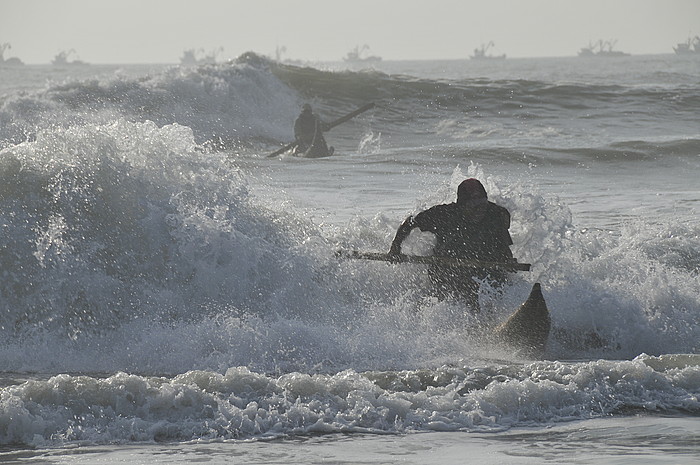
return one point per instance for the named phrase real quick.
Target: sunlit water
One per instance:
(171, 294)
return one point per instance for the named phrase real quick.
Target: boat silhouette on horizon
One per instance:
(689, 47)
(12, 61)
(602, 48)
(61, 59)
(357, 55)
(480, 53)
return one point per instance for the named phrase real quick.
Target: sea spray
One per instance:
(160, 287)
(242, 404)
(104, 220)
(236, 104)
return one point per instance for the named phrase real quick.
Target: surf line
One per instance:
(526, 330)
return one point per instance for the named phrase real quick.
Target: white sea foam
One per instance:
(241, 404)
(155, 288)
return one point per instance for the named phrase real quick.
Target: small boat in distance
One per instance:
(602, 48)
(61, 59)
(357, 55)
(191, 57)
(279, 57)
(480, 53)
(12, 61)
(689, 47)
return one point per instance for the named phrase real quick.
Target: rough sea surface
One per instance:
(170, 293)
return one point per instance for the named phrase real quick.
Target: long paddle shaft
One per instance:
(349, 116)
(327, 128)
(432, 260)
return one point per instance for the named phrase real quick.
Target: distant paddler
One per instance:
(308, 133)
(470, 229)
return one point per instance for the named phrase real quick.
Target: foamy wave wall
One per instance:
(235, 103)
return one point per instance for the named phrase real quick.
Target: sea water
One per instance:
(171, 294)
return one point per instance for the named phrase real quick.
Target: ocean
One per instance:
(172, 294)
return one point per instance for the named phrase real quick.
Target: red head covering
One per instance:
(471, 189)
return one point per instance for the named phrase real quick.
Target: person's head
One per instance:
(470, 190)
(306, 108)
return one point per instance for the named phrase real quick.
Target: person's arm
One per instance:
(297, 130)
(401, 234)
(506, 227)
(504, 240)
(322, 125)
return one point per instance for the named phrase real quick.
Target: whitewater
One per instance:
(170, 293)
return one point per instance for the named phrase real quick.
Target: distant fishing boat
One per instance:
(191, 57)
(61, 59)
(480, 53)
(689, 47)
(602, 48)
(12, 61)
(280, 51)
(357, 55)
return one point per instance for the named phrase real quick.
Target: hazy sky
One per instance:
(157, 31)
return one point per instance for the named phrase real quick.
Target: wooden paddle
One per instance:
(431, 260)
(328, 127)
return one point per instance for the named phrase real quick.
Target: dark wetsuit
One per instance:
(475, 232)
(308, 132)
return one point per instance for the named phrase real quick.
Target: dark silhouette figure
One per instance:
(308, 134)
(471, 228)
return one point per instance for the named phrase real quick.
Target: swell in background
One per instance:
(128, 244)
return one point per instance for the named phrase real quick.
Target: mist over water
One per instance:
(188, 284)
